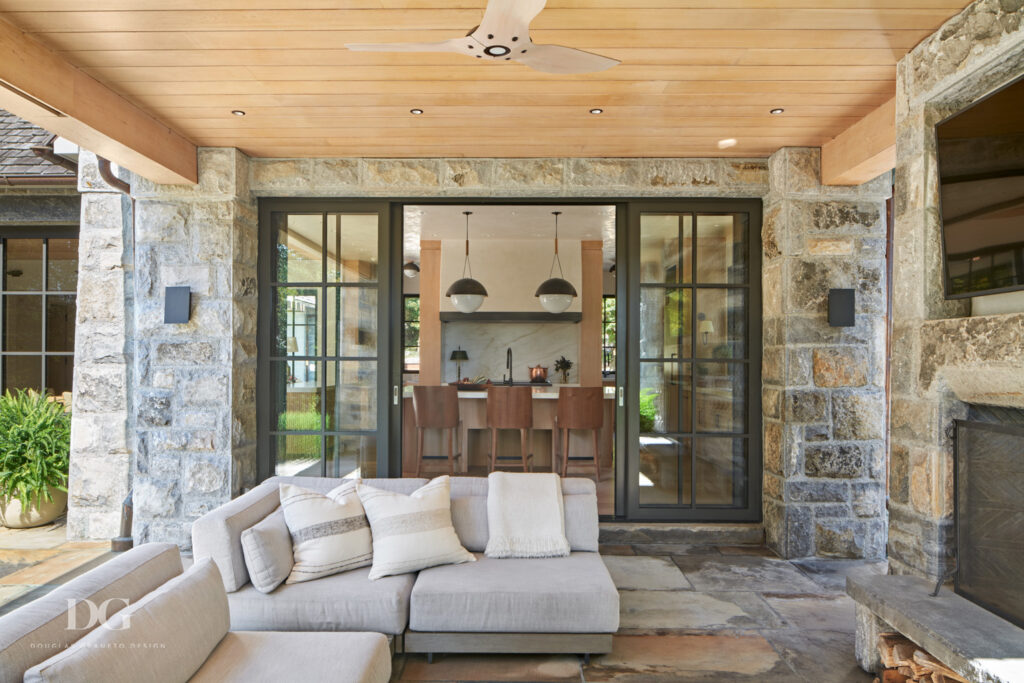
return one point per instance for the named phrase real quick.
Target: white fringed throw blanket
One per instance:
(525, 516)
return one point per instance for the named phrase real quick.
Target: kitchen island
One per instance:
(474, 433)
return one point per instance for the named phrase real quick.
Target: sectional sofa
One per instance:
(139, 617)
(565, 604)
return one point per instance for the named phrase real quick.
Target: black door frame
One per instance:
(390, 324)
(693, 513)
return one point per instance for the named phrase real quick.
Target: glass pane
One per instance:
(60, 323)
(721, 471)
(352, 456)
(62, 265)
(665, 323)
(721, 323)
(23, 325)
(351, 395)
(298, 329)
(664, 465)
(298, 455)
(664, 398)
(722, 249)
(298, 247)
(721, 397)
(352, 247)
(352, 321)
(24, 265)
(297, 395)
(662, 257)
(22, 372)
(59, 371)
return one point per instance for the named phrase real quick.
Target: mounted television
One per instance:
(981, 193)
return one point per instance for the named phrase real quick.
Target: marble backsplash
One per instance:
(532, 344)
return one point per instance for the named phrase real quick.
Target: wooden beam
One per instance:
(431, 360)
(41, 87)
(592, 294)
(863, 151)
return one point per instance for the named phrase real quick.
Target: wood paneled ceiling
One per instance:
(698, 77)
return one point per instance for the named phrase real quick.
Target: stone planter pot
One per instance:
(13, 516)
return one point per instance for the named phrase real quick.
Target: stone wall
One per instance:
(823, 387)
(941, 359)
(194, 383)
(102, 438)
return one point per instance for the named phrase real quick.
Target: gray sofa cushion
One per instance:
(572, 594)
(217, 534)
(342, 602)
(247, 656)
(38, 630)
(165, 636)
(267, 548)
(469, 512)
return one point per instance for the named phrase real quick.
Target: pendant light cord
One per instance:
(556, 259)
(466, 264)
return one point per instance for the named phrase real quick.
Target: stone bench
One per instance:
(966, 637)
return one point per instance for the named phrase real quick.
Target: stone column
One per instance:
(102, 429)
(195, 416)
(823, 387)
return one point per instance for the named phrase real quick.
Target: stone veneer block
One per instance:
(972, 641)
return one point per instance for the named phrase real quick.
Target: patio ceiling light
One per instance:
(776, 111)
(238, 112)
(416, 112)
(596, 111)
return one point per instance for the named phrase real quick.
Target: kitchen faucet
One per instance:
(508, 364)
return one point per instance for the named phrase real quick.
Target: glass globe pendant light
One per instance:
(556, 293)
(466, 293)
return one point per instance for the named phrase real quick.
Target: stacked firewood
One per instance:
(905, 662)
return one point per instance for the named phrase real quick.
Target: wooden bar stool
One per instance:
(511, 408)
(579, 408)
(437, 408)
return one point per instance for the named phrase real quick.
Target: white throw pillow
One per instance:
(412, 532)
(267, 549)
(330, 533)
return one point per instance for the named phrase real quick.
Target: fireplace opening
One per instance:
(989, 510)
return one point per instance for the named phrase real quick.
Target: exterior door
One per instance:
(694, 361)
(324, 338)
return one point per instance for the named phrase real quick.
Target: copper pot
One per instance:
(538, 373)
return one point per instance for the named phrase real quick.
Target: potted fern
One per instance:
(35, 441)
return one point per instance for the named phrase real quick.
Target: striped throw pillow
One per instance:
(412, 532)
(330, 533)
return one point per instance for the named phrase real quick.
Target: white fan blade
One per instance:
(454, 45)
(558, 59)
(505, 19)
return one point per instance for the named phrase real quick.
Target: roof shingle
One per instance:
(17, 137)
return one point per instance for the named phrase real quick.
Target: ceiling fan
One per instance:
(504, 34)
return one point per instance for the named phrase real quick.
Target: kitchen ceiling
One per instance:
(697, 78)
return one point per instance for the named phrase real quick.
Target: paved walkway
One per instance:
(698, 613)
(34, 561)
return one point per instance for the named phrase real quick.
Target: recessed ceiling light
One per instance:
(238, 112)
(727, 143)
(417, 112)
(596, 111)
(777, 110)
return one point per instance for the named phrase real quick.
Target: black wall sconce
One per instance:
(177, 304)
(841, 307)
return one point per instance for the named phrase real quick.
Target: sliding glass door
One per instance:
(694, 395)
(324, 335)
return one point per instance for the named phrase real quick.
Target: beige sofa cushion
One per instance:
(329, 532)
(267, 548)
(249, 656)
(38, 630)
(165, 636)
(412, 532)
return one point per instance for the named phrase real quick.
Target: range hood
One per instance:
(511, 317)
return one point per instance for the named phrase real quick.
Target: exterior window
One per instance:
(38, 303)
(411, 334)
(608, 335)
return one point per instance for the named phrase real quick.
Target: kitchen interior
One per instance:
(490, 302)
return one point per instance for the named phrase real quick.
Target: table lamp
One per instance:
(458, 355)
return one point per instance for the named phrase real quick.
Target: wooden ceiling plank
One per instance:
(863, 151)
(458, 20)
(86, 112)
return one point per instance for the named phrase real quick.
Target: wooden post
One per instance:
(431, 362)
(591, 257)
